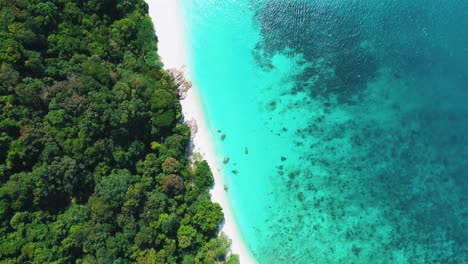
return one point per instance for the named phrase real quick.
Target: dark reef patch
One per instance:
(323, 33)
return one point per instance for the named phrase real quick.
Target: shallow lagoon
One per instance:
(346, 125)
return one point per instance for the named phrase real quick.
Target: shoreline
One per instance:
(171, 39)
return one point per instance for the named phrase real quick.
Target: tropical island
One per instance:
(94, 161)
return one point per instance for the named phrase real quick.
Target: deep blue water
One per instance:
(355, 115)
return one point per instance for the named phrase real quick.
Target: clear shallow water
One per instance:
(346, 125)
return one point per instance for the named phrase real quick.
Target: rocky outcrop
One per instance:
(192, 123)
(183, 85)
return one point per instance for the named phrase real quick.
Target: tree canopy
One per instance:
(94, 165)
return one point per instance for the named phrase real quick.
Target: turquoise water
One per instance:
(346, 125)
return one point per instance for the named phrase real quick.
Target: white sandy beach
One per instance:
(168, 23)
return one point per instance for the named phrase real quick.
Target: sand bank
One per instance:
(169, 25)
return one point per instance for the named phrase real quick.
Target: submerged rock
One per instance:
(246, 151)
(283, 158)
(223, 136)
(183, 85)
(235, 171)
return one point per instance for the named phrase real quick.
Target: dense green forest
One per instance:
(93, 156)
